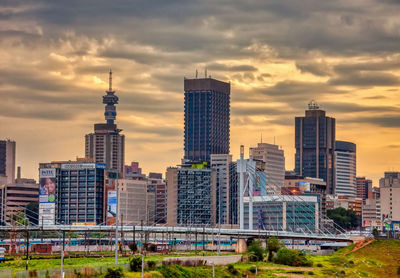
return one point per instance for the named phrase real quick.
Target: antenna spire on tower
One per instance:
(110, 81)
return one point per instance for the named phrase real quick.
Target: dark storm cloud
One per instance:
(222, 67)
(347, 107)
(391, 121)
(366, 79)
(318, 69)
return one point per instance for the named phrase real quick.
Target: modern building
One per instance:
(344, 201)
(345, 169)
(16, 196)
(220, 163)
(7, 160)
(233, 215)
(273, 166)
(364, 187)
(315, 145)
(72, 192)
(298, 185)
(191, 199)
(283, 213)
(106, 145)
(132, 169)
(133, 201)
(207, 119)
(371, 214)
(390, 196)
(157, 185)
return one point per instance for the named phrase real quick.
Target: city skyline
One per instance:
(54, 72)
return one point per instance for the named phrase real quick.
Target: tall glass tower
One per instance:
(207, 118)
(315, 146)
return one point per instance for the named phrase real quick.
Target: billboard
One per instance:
(47, 196)
(304, 186)
(112, 203)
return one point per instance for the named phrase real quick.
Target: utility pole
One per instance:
(27, 247)
(62, 254)
(116, 223)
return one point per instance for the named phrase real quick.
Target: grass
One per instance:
(379, 259)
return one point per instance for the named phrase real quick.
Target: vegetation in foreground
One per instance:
(378, 259)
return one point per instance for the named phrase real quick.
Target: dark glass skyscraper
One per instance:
(315, 146)
(207, 118)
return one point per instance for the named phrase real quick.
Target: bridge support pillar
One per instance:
(241, 246)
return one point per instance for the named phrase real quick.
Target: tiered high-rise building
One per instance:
(315, 146)
(106, 145)
(207, 118)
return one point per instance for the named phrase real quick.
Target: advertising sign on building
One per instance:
(47, 196)
(112, 203)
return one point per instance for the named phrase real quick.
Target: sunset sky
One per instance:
(278, 55)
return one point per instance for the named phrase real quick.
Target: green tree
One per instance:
(255, 251)
(273, 245)
(345, 218)
(32, 212)
(375, 232)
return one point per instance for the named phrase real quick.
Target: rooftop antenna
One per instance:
(110, 82)
(205, 72)
(261, 137)
(196, 73)
(313, 105)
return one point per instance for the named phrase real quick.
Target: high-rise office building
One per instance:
(364, 188)
(273, 166)
(106, 145)
(315, 146)
(7, 160)
(207, 118)
(191, 199)
(71, 192)
(220, 163)
(345, 169)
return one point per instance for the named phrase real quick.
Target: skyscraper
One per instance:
(7, 160)
(345, 169)
(106, 145)
(364, 188)
(315, 145)
(207, 118)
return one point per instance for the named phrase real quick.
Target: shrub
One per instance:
(319, 265)
(135, 264)
(255, 252)
(232, 270)
(151, 264)
(292, 258)
(175, 271)
(273, 245)
(253, 269)
(133, 247)
(310, 273)
(114, 272)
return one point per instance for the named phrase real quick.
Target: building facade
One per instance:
(7, 160)
(345, 169)
(106, 145)
(71, 192)
(364, 188)
(157, 185)
(371, 214)
(16, 196)
(273, 166)
(390, 196)
(220, 163)
(283, 213)
(207, 118)
(315, 145)
(191, 197)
